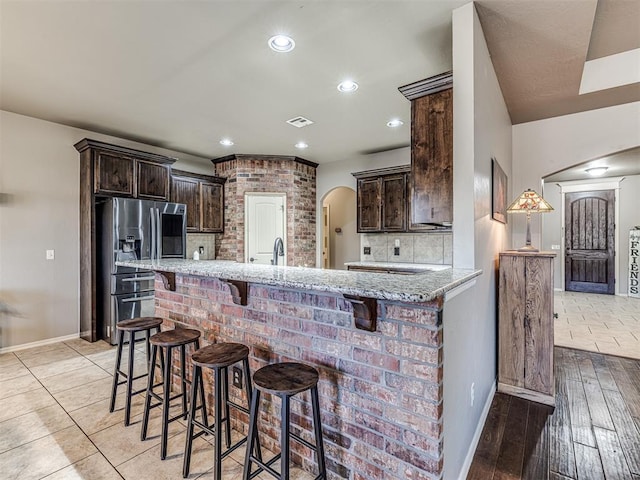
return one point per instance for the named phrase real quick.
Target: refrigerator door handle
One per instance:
(158, 235)
(153, 234)
(137, 279)
(137, 299)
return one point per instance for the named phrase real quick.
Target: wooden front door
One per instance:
(589, 242)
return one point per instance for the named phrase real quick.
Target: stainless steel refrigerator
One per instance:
(130, 229)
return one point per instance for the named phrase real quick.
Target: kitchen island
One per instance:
(375, 338)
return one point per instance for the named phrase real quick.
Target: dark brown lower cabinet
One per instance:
(525, 326)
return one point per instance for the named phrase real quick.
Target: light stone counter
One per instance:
(419, 287)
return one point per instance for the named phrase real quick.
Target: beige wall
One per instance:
(39, 171)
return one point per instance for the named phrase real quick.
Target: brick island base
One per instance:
(380, 392)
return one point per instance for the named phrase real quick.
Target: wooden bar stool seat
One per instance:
(218, 357)
(284, 380)
(169, 339)
(132, 326)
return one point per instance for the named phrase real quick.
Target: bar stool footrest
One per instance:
(265, 466)
(303, 441)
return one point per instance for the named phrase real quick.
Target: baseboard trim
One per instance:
(464, 471)
(39, 343)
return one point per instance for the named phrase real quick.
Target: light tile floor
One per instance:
(55, 422)
(598, 323)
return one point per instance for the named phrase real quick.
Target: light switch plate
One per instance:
(51, 254)
(555, 247)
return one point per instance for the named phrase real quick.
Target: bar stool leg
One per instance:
(166, 390)
(127, 405)
(317, 426)
(196, 386)
(249, 390)
(252, 437)
(217, 473)
(116, 373)
(227, 414)
(183, 375)
(284, 438)
(147, 400)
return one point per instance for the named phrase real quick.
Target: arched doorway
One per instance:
(340, 241)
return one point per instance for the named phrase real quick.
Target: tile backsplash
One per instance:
(205, 240)
(434, 248)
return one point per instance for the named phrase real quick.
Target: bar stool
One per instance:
(169, 339)
(218, 357)
(284, 380)
(133, 326)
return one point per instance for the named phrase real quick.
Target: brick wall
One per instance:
(380, 392)
(273, 174)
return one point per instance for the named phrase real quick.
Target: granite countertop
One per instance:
(419, 287)
(423, 267)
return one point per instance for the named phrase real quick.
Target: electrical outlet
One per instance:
(396, 251)
(237, 377)
(472, 393)
(367, 250)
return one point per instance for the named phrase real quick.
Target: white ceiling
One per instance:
(184, 74)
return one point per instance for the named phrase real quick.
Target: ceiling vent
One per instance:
(299, 122)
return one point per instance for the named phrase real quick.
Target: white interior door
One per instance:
(264, 222)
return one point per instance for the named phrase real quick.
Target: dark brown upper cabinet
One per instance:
(212, 202)
(369, 195)
(113, 175)
(394, 202)
(204, 197)
(432, 159)
(431, 180)
(125, 172)
(153, 180)
(382, 200)
(187, 190)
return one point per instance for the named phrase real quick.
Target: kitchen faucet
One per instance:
(278, 250)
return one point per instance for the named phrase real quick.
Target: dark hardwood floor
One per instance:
(593, 433)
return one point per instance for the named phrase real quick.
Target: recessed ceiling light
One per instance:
(396, 122)
(226, 142)
(301, 145)
(596, 171)
(281, 43)
(347, 86)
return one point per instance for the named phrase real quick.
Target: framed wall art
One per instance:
(498, 192)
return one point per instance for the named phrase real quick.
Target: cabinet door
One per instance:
(113, 175)
(432, 159)
(187, 191)
(369, 190)
(511, 308)
(212, 201)
(153, 180)
(538, 320)
(394, 203)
